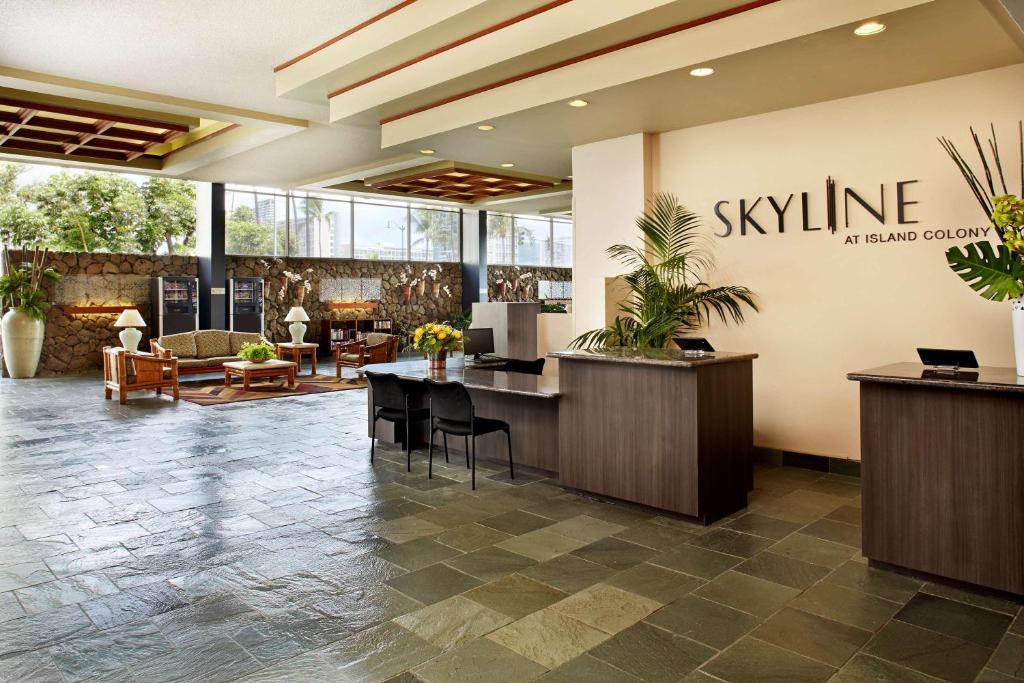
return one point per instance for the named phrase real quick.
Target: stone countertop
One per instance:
(915, 374)
(669, 357)
(538, 386)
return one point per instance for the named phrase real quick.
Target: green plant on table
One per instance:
(257, 352)
(995, 271)
(22, 287)
(461, 320)
(666, 282)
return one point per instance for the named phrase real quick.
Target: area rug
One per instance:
(213, 392)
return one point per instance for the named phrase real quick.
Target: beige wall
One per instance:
(828, 307)
(610, 180)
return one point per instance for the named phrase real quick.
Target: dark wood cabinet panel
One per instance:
(943, 479)
(678, 439)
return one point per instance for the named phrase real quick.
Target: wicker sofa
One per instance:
(203, 350)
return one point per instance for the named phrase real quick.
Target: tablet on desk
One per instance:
(694, 344)
(948, 359)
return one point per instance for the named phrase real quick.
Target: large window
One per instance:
(528, 241)
(265, 222)
(381, 232)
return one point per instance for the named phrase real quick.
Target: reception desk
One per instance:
(942, 471)
(658, 428)
(650, 427)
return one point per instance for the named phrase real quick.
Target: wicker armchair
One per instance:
(125, 371)
(376, 347)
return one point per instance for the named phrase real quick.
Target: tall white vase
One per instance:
(1018, 333)
(23, 343)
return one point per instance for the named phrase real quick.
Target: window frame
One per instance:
(351, 200)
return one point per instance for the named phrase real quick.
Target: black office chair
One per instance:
(527, 367)
(391, 403)
(452, 412)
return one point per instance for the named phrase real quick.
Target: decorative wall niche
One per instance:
(550, 289)
(82, 290)
(350, 289)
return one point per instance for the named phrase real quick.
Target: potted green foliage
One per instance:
(666, 281)
(995, 271)
(256, 352)
(24, 303)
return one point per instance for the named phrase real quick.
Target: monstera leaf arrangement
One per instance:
(666, 281)
(995, 271)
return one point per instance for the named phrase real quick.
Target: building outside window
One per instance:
(528, 241)
(267, 222)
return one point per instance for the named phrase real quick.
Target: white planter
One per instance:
(23, 343)
(1018, 333)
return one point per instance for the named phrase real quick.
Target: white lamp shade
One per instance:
(130, 317)
(296, 315)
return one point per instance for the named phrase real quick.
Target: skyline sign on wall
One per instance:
(839, 210)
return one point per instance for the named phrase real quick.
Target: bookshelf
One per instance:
(332, 331)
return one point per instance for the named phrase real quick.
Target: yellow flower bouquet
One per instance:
(436, 340)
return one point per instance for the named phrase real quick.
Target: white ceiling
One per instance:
(220, 51)
(224, 52)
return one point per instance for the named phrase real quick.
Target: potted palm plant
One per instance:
(666, 282)
(995, 271)
(24, 319)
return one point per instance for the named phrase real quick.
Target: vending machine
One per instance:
(175, 305)
(245, 304)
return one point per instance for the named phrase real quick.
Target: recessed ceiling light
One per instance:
(869, 29)
(507, 165)
(485, 126)
(427, 151)
(578, 103)
(702, 71)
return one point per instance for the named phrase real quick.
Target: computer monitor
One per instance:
(694, 344)
(948, 358)
(478, 341)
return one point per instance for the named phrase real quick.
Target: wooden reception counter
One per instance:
(529, 403)
(651, 427)
(658, 427)
(942, 471)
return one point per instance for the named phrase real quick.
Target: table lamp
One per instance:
(297, 317)
(129, 336)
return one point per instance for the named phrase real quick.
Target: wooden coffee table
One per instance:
(293, 352)
(249, 371)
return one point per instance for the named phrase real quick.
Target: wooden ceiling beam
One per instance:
(83, 127)
(98, 115)
(58, 149)
(43, 135)
(101, 127)
(24, 116)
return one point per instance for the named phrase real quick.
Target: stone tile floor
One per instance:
(159, 542)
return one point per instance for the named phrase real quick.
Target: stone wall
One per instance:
(420, 308)
(497, 273)
(74, 341)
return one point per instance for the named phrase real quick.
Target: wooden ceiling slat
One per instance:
(99, 116)
(101, 127)
(56, 148)
(43, 135)
(24, 116)
(132, 134)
